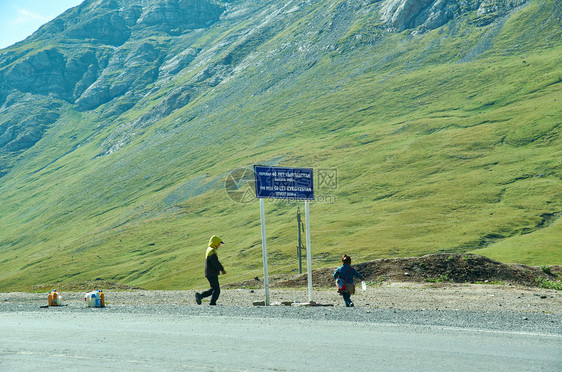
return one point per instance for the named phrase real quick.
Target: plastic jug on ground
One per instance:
(94, 299)
(54, 298)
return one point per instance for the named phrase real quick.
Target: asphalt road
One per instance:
(91, 339)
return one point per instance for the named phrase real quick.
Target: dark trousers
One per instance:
(347, 298)
(214, 291)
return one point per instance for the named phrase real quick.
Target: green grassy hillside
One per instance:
(447, 141)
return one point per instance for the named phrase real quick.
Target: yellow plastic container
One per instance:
(57, 299)
(54, 298)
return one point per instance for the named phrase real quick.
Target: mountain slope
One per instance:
(121, 120)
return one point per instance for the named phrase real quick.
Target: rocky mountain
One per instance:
(113, 53)
(109, 114)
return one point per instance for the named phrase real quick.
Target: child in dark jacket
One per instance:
(346, 272)
(213, 268)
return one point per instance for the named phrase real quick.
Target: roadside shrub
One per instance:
(379, 280)
(546, 269)
(550, 284)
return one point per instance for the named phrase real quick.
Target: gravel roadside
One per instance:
(403, 296)
(490, 307)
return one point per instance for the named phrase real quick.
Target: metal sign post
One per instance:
(264, 253)
(284, 183)
(299, 245)
(308, 250)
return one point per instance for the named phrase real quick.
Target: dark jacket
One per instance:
(346, 272)
(212, 264)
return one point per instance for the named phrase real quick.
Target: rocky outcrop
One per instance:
(401, 15)
(405, 14)
(112, 57)
(176, 99)
(109, 28)
(126, 69)
(53, 71)
(113, 50)
(489, 10)
(44, 69)
(178, 62)
(178, 15)
(24, 118)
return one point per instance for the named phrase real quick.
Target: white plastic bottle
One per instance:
(90, 299)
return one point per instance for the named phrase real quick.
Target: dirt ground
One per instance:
(431, 282)
(389, 295)
(432, 268)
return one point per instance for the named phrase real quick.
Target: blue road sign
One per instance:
(284, 183)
